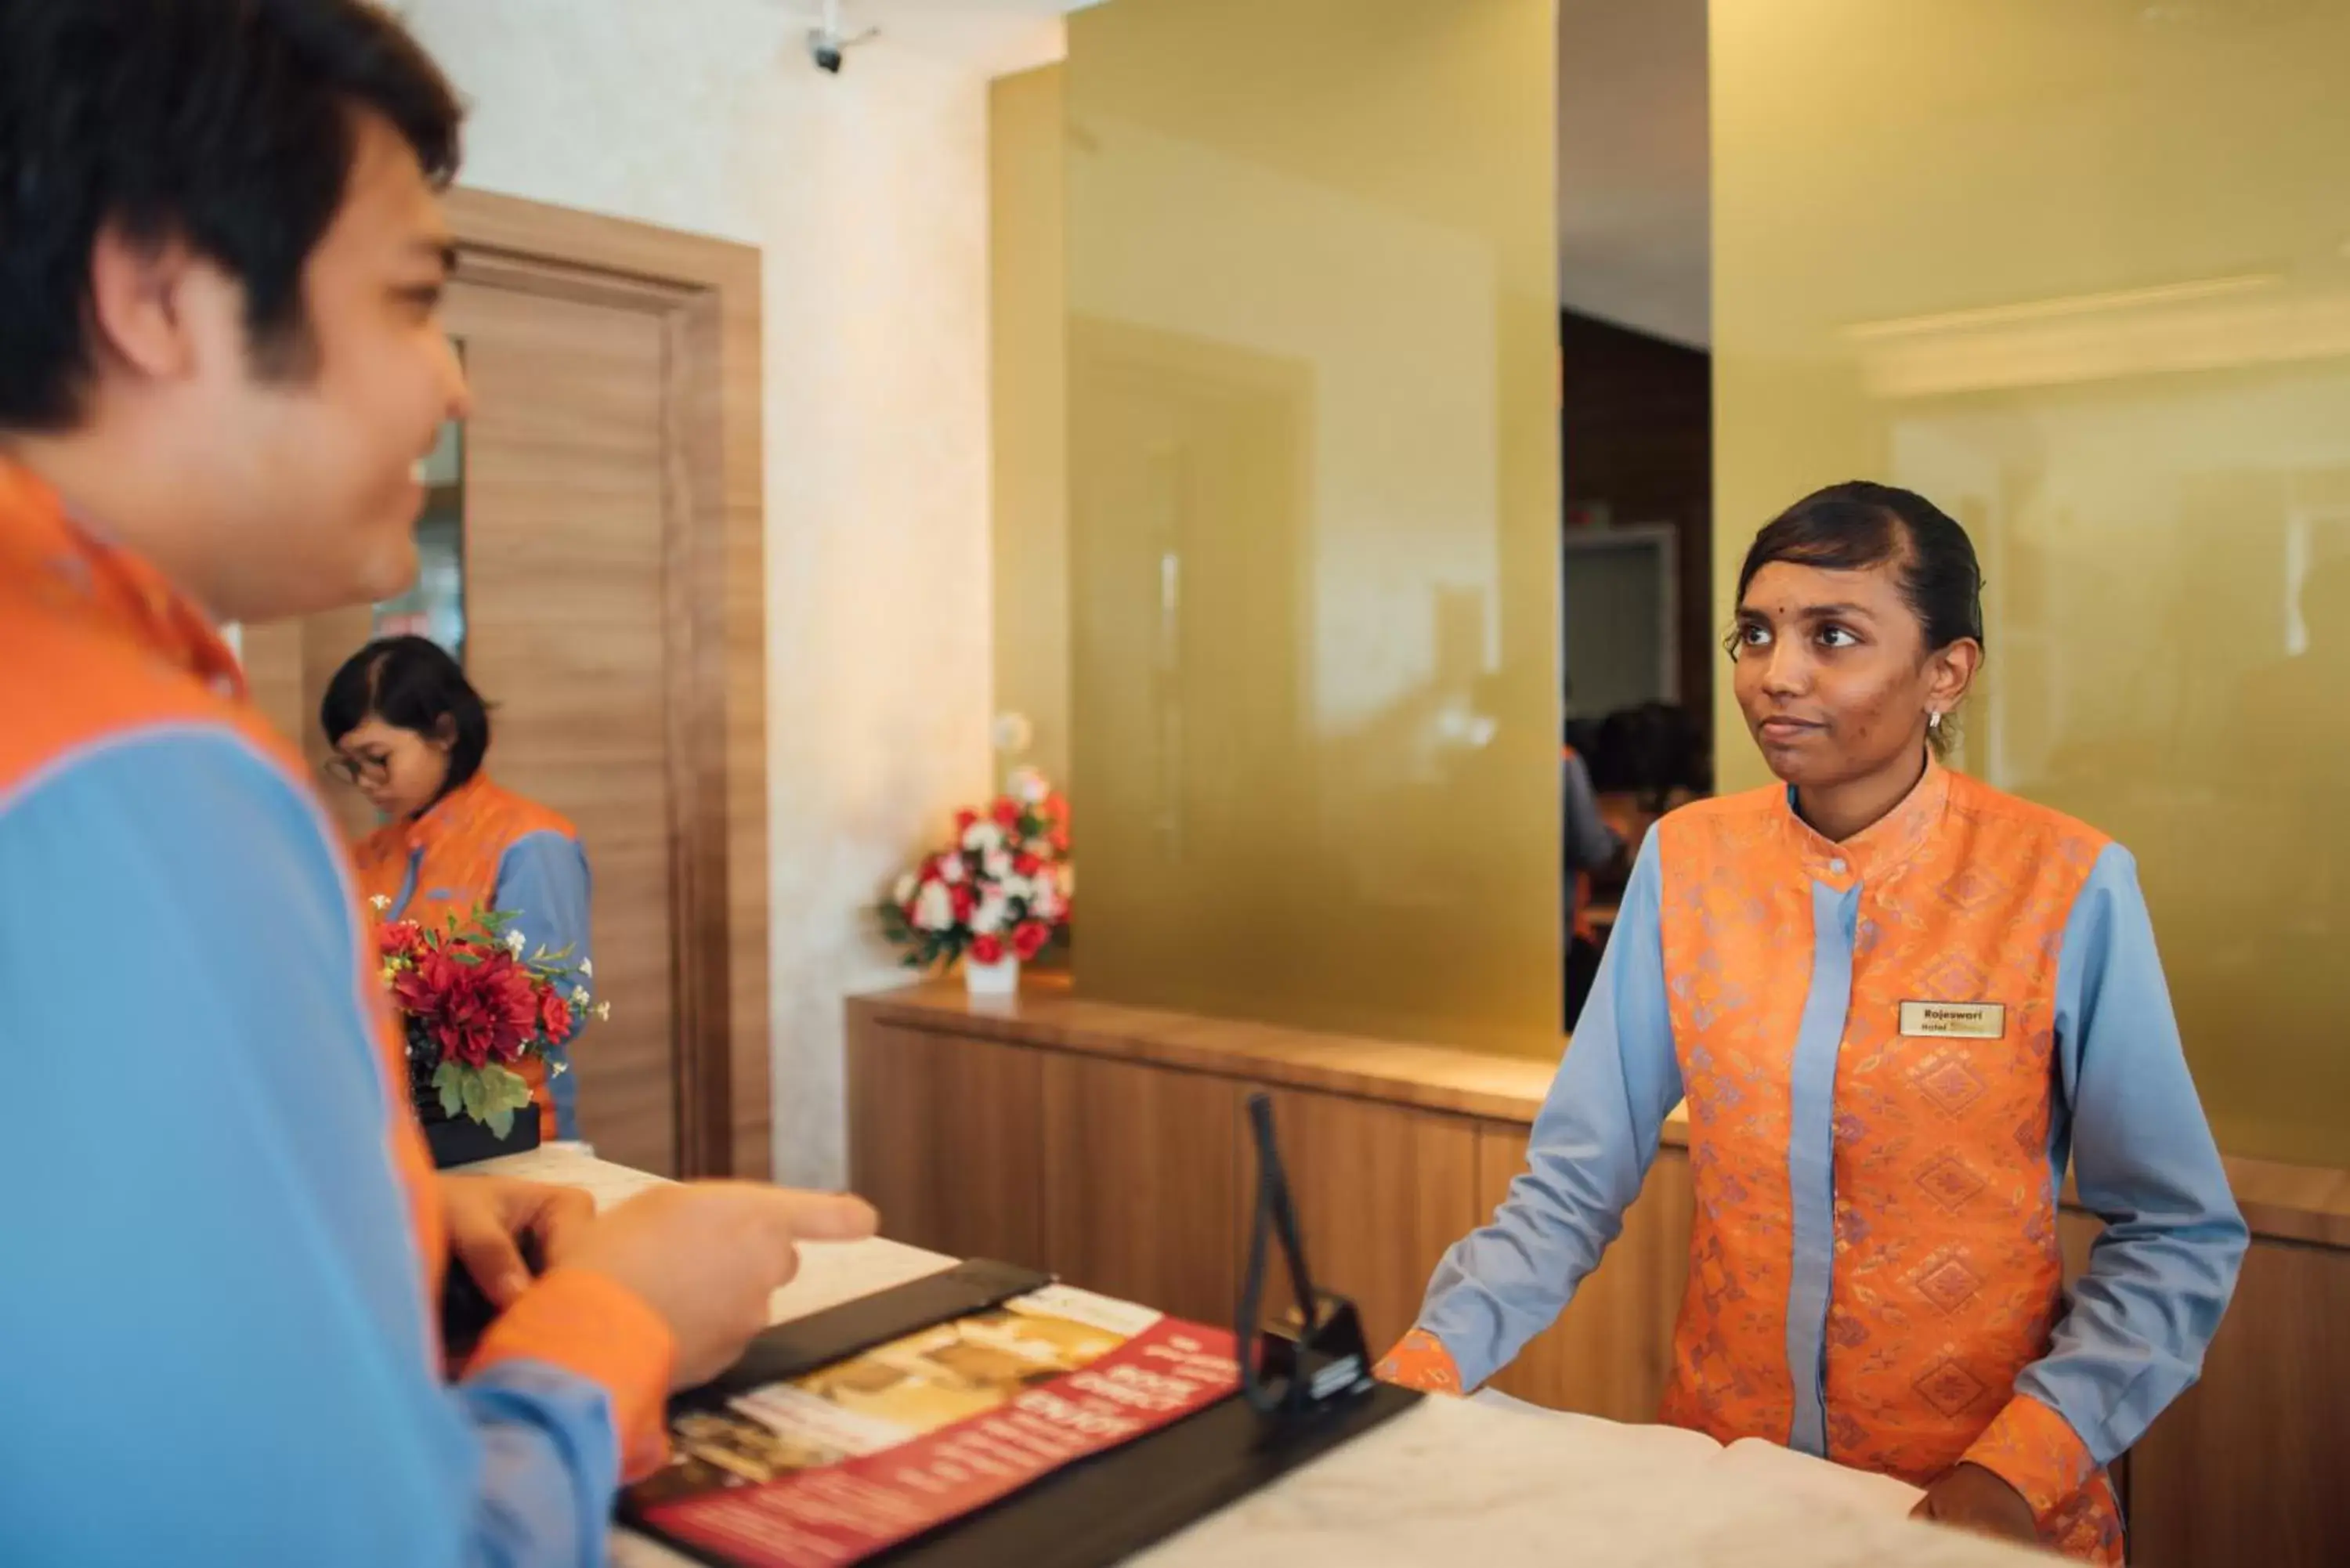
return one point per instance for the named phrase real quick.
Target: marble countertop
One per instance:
(1456, 1482)
(1450, 1481)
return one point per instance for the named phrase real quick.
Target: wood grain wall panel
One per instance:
(1610, 1351)
(947, 1139)
(1143, 1194)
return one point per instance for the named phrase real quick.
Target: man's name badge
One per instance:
(1953, 1020)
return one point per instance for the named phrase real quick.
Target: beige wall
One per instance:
(867, 195)
(1028, 300)
(2082, 275)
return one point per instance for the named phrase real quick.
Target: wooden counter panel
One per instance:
(946, 1136)
(2252, 1465)
(1611, 1351)
(1143, 1194)
(1380, 1192)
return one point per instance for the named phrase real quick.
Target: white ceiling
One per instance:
(1633, 190)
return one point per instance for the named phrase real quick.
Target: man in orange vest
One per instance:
(222, 255)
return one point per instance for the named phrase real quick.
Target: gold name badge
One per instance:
(1953, 1020)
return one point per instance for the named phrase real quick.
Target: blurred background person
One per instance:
(409, 733)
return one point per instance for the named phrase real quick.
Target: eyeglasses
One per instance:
(357, 771)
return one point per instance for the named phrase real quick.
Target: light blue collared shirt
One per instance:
(2128, 1117)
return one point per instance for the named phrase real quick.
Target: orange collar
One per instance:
(69, 567)
(1883, 844)
(451, 813)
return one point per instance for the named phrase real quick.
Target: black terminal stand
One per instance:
(1301, 1396)
(1327, 1363)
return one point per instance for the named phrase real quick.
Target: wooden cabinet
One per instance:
(1611, 1351)
(1141, 1184)
(946, 1138)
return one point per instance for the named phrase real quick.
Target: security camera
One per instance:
(828, 43)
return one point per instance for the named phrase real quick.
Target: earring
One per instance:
(1934, 720)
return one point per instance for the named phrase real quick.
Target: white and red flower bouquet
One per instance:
(999, 894)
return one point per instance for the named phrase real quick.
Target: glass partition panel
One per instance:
(1313, 512)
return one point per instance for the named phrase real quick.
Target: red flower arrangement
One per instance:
(473, 1008)
(1001, 889)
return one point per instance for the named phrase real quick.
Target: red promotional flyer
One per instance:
(843, 1463)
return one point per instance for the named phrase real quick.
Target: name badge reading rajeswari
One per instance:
(1953, 1020)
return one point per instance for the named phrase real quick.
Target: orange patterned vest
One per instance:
(1946, 1279)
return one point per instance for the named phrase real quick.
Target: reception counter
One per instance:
(1448, 1477)
(1104, 1143)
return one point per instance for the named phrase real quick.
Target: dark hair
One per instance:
(1852, 526)
(1651, 750)
(225, 124)
(410, 683)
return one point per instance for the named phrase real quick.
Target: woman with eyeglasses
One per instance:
(409, 733)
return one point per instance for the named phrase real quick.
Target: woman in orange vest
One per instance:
(1897, 1003)
(409, 733)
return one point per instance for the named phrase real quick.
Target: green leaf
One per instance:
(478, 1098)
(501, 1121)
(449, 1078)
(505, 1089)
(470, 960)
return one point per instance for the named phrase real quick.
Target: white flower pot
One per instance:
(1002, 978)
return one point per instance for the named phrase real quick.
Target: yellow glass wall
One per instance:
(2080, 271)
(1313, 519)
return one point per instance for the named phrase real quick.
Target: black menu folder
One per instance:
(1095, 1511)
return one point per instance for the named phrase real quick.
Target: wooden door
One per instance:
(564, 585)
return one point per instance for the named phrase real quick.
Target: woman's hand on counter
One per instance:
(1971, 1498)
